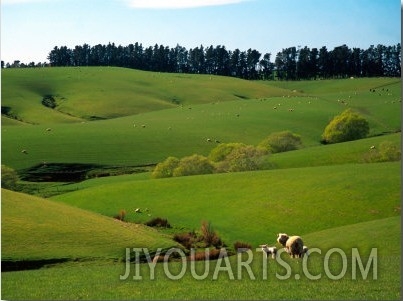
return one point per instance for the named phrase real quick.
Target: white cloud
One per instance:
(177, 4)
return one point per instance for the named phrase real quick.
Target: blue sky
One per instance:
(31, 28)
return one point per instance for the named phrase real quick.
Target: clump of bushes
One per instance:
(193, 165)
(233, 157)
(187, 166)
(347, 126)
(226, 157)
(49, 101)
(187, 239)
(158, 222)
(385, 152)
(207, 237)
(281, 142)
(165, 169)
(121, 215)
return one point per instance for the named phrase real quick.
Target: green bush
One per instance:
(193, 165)
(220, 153)
(165, 169)
(9, 178)
(347, 126)
(281, 142)
(243, 158)
(387, 151)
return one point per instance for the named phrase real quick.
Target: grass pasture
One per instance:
(36, 229)
(263, 203)
(120, 118)
(88, 93)
(101, 280)
(172, 129)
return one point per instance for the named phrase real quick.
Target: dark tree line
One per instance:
(290, 64)
(341, 62)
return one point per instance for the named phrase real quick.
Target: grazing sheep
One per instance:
(48, 129)
(269, 250)
(24, 151)
(138, 210)
(208, 140)
(293, 244)
(372, 147)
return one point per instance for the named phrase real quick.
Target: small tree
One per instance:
(347, 126)
(9, 178)
(281, 142)
(165, 169)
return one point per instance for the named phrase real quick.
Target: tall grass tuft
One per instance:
(210, 237)
(121, 215)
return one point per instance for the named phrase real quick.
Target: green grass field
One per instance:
(122, 118)
(102, 280)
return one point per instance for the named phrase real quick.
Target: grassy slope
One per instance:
(101, 281)
(178, 131)
(108, 92)
(34, 228)
(263, 203)
(312, 201)
(333, 154)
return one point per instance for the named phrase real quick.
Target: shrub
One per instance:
(209, 236)
(186, 239)
(387, 151)
(158, 222)
(221, 152)
(242, 158)
(281, 142)
(9, 178)
(193, 165)
(347, 126)
(165, 169)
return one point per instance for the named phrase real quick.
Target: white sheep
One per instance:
(269, 250)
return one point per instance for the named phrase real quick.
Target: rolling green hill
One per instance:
(39, 229)
(262, 203)
(149, 138)
(90, 93)
(123, 118)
